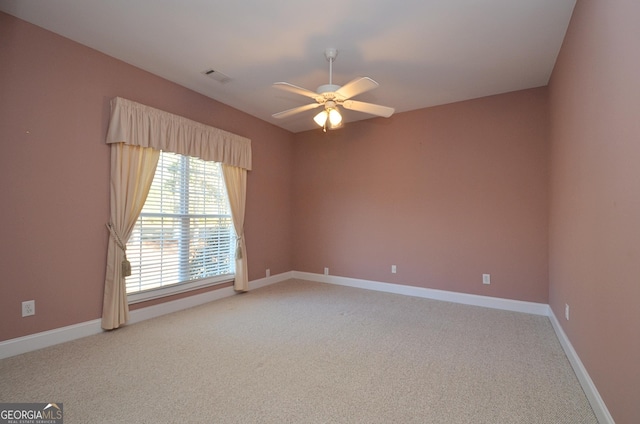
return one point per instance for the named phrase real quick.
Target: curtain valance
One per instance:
(139, 125)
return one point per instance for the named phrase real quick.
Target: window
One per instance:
(184, 237)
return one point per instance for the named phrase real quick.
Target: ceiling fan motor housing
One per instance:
(327, 88)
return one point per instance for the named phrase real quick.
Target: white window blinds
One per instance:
(185, 230)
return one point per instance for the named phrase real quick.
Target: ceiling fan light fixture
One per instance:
(334, 117)
(330, 114)
(321, 118)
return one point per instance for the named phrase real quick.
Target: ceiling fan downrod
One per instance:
(331, 55)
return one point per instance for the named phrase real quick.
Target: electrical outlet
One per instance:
(326, 271)
(268, 272)
(486, 278)
(393, 269)
(28, 308)
(566, 311)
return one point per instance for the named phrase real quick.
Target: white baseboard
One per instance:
(590, 390)
(262, 282)
(447, 296)
(56, 336)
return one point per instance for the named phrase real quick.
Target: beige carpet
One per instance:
(303, 352)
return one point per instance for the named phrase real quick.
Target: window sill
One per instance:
(151, 294)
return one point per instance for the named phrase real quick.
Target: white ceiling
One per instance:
(421, 52)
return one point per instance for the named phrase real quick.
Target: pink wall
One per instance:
(595, 197)
(446, 194)
(54, 165)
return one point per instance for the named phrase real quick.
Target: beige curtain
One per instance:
(137, 133)
(132, 171)
(235, 180)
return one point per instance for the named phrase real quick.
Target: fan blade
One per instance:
(295, 89)
(356, 86)
(295, 110)
(368, 108)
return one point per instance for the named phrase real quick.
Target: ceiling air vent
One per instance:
(218, 76)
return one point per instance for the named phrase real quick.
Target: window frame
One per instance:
(187, 285)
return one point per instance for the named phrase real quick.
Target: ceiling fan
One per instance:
(331, 96)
